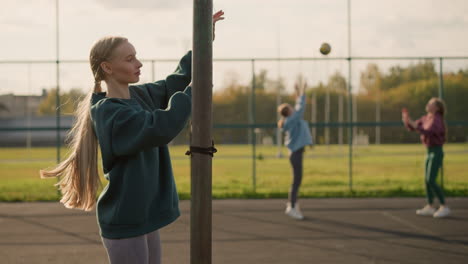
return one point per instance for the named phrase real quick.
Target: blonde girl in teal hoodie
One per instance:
(131, 125)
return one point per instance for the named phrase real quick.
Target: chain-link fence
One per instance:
(353, 109)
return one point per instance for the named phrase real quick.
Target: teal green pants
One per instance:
(435, 156)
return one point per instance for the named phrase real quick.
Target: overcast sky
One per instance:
(253, 28)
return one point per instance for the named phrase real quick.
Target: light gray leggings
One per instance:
(296, 159)
(145, 249)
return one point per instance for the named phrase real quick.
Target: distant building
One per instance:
(20, 112)
(38, 137)
(15, 121)
(20, 105)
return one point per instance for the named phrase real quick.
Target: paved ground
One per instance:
(254, 231)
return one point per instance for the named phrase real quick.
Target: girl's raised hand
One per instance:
(217, 17)
(300, 88)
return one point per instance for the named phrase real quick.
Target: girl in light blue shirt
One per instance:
(297, 137)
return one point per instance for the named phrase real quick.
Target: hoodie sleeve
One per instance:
(436, 126)
(298, 113)
(161, 91)
(133, 130)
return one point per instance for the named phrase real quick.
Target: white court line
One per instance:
(406, 223)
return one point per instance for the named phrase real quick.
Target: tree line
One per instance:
(380, 97)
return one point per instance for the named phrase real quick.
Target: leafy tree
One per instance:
(398, 75)
(371, 79)
(337, 82)
(409, 87)
(68, 102)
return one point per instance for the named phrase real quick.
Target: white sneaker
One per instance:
(442, 212)
(427, 210)
(294, 212)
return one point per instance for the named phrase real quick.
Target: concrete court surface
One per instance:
(255, 231)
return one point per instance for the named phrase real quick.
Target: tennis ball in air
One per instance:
(325, 48)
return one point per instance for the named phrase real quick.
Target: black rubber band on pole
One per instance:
(205, 151)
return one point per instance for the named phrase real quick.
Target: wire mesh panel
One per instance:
(386, 157)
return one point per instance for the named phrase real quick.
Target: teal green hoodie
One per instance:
(133, 134)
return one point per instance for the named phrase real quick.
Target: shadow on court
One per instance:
(255, 231)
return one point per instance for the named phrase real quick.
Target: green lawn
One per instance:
(378, 171)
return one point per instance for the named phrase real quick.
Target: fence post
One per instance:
(201, 165)
(350, 128)
(441, 96)
(252, 135)
(57, 72)
(57, 78)
(350, 102)
(153, 74)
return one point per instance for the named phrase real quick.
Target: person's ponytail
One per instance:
(442, 110)
(80, 180)
(79, 172)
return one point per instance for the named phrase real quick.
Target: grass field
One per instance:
(378, 171)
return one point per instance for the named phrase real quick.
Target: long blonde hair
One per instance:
(442, 110)
(80, 181)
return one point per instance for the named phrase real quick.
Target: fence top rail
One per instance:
(255, 125)
(250, 59)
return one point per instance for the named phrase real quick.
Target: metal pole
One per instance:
(441, 79)
(327, 112)
(279, 153)
(57, 78)
(350, 128)
(314, 116)
(355, 111)
(350, 104)
(278, 94)
(349, 28)
(252, 118)
(340, 119)
(28, 112)
(153, 73)
(441, 96)
(201, 165)
(377, 118)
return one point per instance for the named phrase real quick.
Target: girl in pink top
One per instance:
(432, 129)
